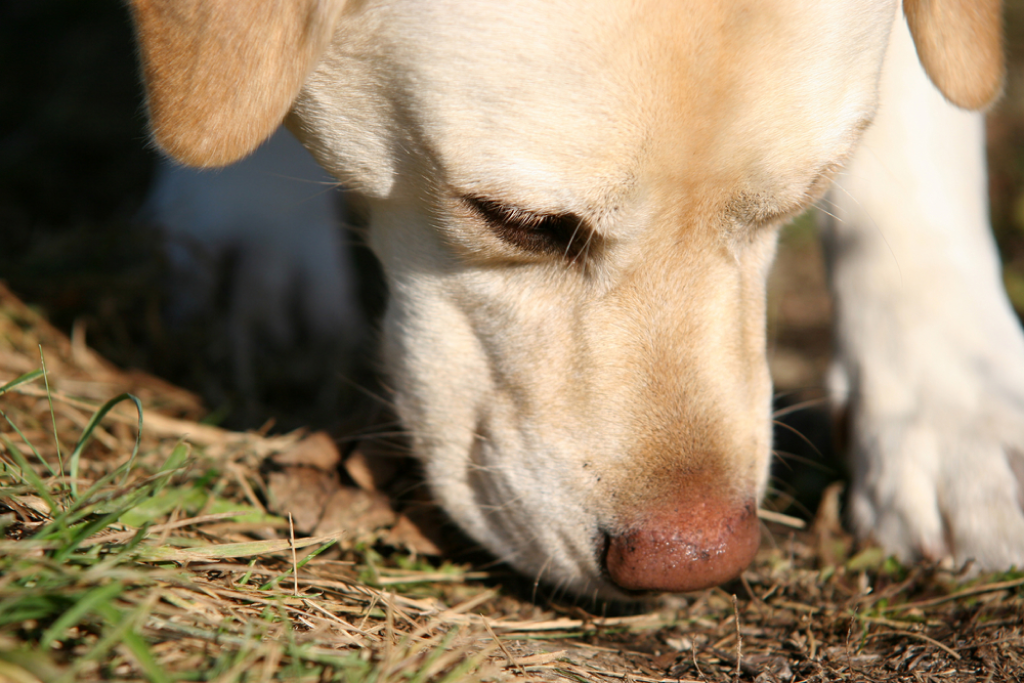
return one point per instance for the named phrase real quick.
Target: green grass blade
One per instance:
(18, 381)
(84, 505)
(175, 461)
(53, 416)
(119, 625)
(29, 474)
(89, 602)
(91, 426)
(118, 555)
(302, 563)
(248, 575)
(22, 608)
(85, 531)
(138, 646)
(60, 527)
(420, 676)
(28, 443)
(225, 550)
(465, 667)
(63, 526)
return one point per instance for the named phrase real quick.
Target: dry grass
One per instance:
(179, 564)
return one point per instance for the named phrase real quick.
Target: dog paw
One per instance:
(259, 290)
(259, 245)
(943, 480)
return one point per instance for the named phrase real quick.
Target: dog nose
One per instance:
(685, 546)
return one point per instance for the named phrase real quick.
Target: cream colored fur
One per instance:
(557, 401)
(930, 358)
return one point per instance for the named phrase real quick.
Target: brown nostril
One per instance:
(686, 546)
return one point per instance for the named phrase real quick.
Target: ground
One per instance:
(196, 553)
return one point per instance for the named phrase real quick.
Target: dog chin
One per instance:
(530, 524)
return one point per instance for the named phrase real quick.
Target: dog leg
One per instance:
(266, 233)
(930, 355)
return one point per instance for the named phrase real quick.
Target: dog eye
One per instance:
(561, 234)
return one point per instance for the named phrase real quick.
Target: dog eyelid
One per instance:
(554, 234)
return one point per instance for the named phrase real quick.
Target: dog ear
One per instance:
(960, 45)
(221, 74)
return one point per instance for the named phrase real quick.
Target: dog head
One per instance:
(576, 206)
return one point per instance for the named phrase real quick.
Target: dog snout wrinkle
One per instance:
(687, 545)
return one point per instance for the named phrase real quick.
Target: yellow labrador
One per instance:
(576, 206)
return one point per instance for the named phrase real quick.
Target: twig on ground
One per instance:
(739, 636)
(295, 558)
(917, 636)
(977, 590)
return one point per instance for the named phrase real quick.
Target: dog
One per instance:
(576, 207)
(254, 253)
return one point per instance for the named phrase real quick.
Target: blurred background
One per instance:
(75, 169)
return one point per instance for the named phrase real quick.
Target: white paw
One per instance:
(930, 354)
(945, 479)
(257, 248)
